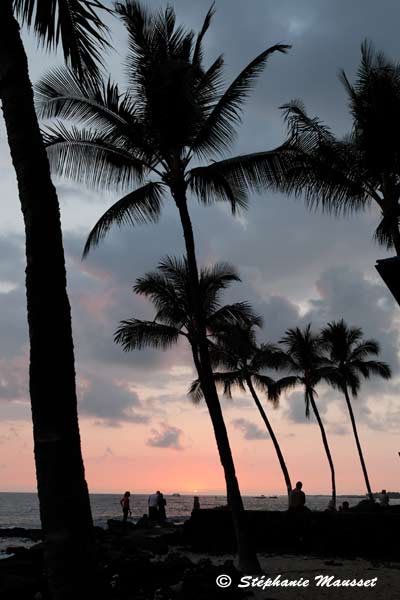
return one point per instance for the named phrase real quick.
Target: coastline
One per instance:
(135, 562)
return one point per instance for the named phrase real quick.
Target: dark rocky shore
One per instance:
(152, 563)
(133, 564)
(366, 531)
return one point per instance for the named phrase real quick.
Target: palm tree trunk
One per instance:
(272, 435)
(360, 454)
(63, 494)
(326, 446)
(248, 561)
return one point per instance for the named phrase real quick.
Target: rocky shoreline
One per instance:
(165, 563)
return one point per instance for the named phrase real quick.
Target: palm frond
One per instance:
(218, 131)
(267, 356)
(141, 206)
(229, 380)
(388, 228)
(327, 171)
(231, 315)
(195, 391)
(208, 85)
(198, 50)
(94, 158)
(135, 334)
(212, 281)
(249, 172)
(171, 304)
(74, 24)
(62, 93)
(153, 38)
(364, 349)
(211, 185)
(374, 367)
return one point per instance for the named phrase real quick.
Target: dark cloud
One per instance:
(110, 402)
(166, 436)
(296, 266)
(295, 411)
(250, 430)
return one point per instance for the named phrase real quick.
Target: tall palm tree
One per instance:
(169, 289)
(236, 350)
(306, 362)
(349, 360)
(63, 495)
(343, 175)
(173, 114)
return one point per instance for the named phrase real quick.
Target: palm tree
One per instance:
(169, 289)
(343, 175)
(349, 360)
(236, 350)
(63, 495)
(173, 114)
(305, 360)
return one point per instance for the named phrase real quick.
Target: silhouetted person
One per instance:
(161, 503)
(126, 509)
(196, 503)
(297, 499)
(153, 506)
(345, 506)
(384, 501)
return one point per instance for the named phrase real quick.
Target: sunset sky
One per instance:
(139, 430)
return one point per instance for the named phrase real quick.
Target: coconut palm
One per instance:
(349, 360)
(308, 366)
(169, 289)
(343, 175)
(235, 349)
(63, 495)
(174, 114)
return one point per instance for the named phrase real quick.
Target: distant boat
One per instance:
(176, 495)
(262, 496)
(272, 497)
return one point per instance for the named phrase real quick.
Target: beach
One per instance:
(292, 568)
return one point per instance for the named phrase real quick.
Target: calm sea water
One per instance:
(22, 510)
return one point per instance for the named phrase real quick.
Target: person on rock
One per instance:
(161, 504)
(153, 506)
(125, 504)
(297, 499)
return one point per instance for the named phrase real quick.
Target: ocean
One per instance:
(22, 510)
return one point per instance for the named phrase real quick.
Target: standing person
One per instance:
(297, 499)
(153, 506)
(384, 499)
(126, 509)
(161, 504)
(196, 503)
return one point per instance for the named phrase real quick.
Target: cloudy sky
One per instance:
(139, 430)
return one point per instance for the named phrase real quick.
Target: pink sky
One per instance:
(119, 457)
